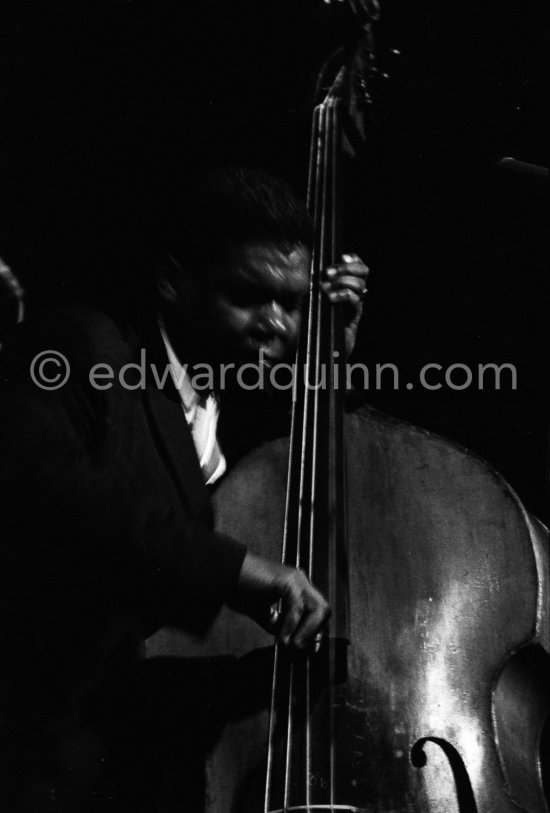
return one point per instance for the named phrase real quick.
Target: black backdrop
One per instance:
(105, 105)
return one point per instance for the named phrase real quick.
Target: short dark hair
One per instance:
(231, 206)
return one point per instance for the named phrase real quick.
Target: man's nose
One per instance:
(272, 319)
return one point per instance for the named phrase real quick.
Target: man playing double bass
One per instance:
(108, 454)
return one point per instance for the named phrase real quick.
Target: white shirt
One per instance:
(201, 413)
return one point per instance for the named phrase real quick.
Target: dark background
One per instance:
(105, 106)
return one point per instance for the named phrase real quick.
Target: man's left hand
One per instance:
(346, 282)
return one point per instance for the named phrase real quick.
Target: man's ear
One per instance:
(174, 282)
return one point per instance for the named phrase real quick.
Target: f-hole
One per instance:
(464, 792)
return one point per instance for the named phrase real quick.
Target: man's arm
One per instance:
(100, 530)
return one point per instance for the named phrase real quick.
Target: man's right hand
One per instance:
(303, 610)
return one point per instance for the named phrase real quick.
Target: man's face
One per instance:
(253, 303)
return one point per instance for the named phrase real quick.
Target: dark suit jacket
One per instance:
(106, 528)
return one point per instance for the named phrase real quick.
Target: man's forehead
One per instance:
(267, 264)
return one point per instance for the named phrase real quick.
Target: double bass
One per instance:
(429, 692)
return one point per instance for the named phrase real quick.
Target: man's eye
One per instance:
(247, 297)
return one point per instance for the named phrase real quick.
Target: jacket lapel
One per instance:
(169, 426)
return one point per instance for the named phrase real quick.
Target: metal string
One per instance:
(322, 177)
(320, 214)
(298, 439)
(312, 361)
(332, 496)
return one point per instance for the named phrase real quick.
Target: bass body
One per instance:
(443, 705)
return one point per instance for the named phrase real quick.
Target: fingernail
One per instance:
(331, 272)
(348, 258)
(273, 615)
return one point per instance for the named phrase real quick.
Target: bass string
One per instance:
(308, 461)
(327, 227)
(296, 471)
(321, 201)
(307, 464)
(328, 236)
(334, 512)
(319, 261)
(324, 220)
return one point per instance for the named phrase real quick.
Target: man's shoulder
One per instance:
(80, 332)
(87, 325)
